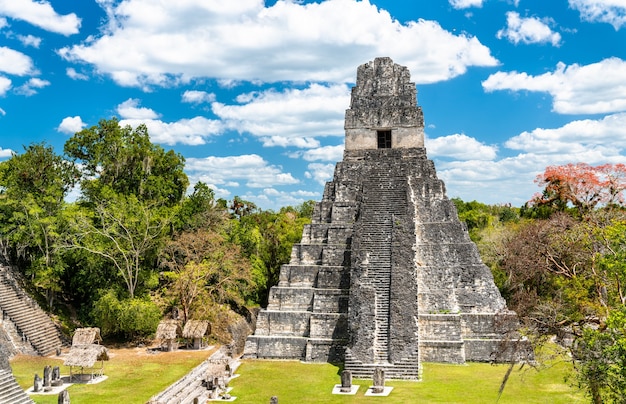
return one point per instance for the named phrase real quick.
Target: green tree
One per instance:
(33, 186)
(126, 232)
(124, 160)
(130, 318)
(204, 270)
(266, 238)
(600, 358)
(200, 210)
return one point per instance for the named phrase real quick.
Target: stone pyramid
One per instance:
(386, 275)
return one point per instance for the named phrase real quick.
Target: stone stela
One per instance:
(385, 276)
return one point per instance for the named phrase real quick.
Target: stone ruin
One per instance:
(385, 276)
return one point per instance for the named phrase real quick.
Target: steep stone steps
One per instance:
(10, 391)
(30, 321)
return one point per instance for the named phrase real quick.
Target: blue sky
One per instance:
(253, 93)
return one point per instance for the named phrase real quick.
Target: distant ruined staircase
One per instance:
(31, 322)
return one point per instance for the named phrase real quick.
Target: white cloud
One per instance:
(292, 117)
(41, 14)
(591, 89)
(71, 125)
(592, 141)
(461, 4)
(5, 85)
(324, 153)
(5, 153)
(193, 131)
(31, 86)
(3, 112)
(130, 109)
(609, 11)
(197, 97)
(460, 147)
(608, 134)
(528, 30)
(14, 62)
(156, 43)
(250, 169)
(30, 40)
(321, 173)
(74, 75)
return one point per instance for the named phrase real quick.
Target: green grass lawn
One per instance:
(296, 382)
(134, 376)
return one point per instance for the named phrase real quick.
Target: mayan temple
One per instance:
(386, 275)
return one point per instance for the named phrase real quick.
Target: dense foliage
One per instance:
(134, 244)
(561, 265)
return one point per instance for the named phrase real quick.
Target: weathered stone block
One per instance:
(290, 299)
(298, 275)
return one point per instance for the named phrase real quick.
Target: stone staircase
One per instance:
(383, 208)
(193, 385)
(10, 391)
(406, 369)
(31, 322)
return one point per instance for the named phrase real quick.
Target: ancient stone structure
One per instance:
(385, 275)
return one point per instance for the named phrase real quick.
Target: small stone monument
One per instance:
(56, 377)
(274, 400)
(346, 381)
(64, 397)
(379, 381)
(228, 371)
(47, 376)
(37, 384)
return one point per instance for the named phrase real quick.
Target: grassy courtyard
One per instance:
(134, 376)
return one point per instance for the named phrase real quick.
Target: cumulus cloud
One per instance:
(276, 199)
(193, 131)
(321, 173)
(5, 153)
(71, 125)
(461, 4)
(292, 117)
(197, 97)
(460, 147)
(592, 141)
(74, 75)
(155, 43)
(608, 11)
(591, 89)
(40, 14)
(324, 153)
(31, 86)
(250, 169)
(528, 30)
(29, 40)
(5, 85)
(130, 109)
(576, 137)
(14, 62)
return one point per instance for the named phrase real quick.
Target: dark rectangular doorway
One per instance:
(384, 139)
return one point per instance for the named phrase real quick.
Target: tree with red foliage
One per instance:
(582, 185)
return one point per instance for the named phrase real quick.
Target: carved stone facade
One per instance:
(385, 275)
